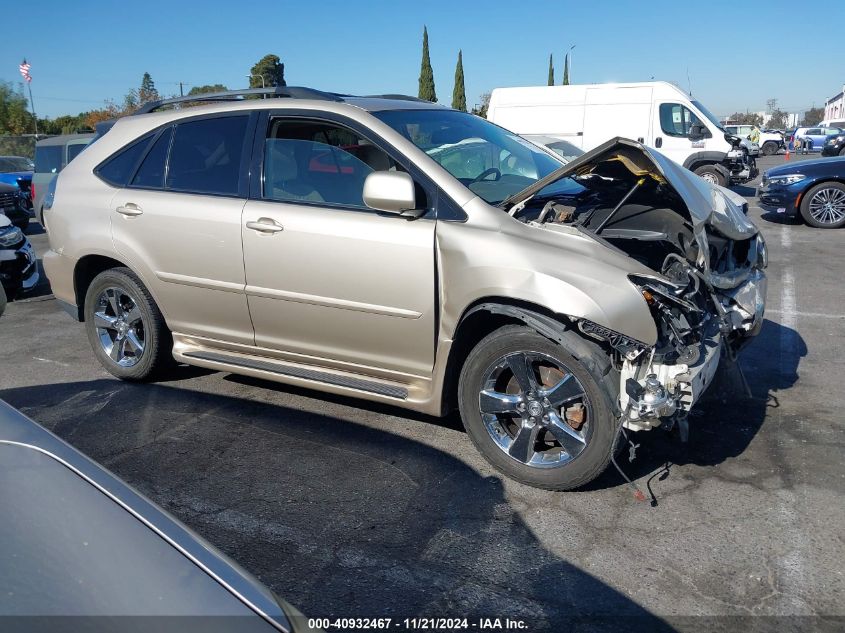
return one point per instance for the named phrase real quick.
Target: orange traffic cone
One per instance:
(787, 153)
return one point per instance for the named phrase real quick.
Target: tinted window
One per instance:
(74, 149)
(118, 169)
(319, 162)
(48, 159)
(206, 155)
(151, 171)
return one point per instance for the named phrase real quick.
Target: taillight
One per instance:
(50, 196)
(32, 191)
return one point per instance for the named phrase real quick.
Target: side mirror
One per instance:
(392, 192)
(696, 132)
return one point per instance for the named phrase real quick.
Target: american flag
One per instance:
(24, 68)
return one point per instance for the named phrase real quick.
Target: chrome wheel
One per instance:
(120, 326)
(827, 206)
(710, 178)
(535, 410)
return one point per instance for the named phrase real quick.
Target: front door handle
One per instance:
(265, 225)
(658, 142)
(130, 209)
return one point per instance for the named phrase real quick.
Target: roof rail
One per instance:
(396, 97)
(289, 92)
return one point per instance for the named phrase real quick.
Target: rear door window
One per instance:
(205, 156)
(48, 159)
(151, 172)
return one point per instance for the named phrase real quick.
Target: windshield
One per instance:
(710, 116)
(492, 162)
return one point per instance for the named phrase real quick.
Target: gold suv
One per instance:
(399, 251)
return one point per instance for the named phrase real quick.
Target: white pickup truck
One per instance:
(770, 142)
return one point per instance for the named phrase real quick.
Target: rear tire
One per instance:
(549, 463)
(125, 327)
(769, 148)
(712, 175)
(842, 152)
(823, 206)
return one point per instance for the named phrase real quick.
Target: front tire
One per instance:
(541, 413)
(712, 175)
(769, 148)
(125, 327)
(823, 206)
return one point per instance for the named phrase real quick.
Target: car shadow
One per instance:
(728, 416)
(34, 228)
(339, 518)
(779, 218)
(744, 190)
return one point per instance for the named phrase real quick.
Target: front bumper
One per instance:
(780, 200)
(19, 269)
(832, 149)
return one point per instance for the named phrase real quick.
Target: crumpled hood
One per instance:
(708, 204)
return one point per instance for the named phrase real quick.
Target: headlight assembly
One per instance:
(10, 236)
(789, 179)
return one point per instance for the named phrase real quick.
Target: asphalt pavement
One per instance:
(346, 508)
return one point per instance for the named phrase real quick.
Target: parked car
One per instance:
(13, 205)
(834, 145)
(81, 542)
(17, 171)
(811, 189)
(445, 263)
(771, 142)
(655, 113)
(813, 138)
(51, 156)
(18, 262)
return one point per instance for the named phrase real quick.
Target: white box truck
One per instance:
(654, 113)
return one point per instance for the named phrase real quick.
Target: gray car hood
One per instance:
(708, 204)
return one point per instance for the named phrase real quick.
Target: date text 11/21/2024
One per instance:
(418, 624)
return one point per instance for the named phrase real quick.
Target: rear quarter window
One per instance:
(119, 168)
(48, 159)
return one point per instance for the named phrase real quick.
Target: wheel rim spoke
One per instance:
(569, 438)
(564, 391)
(523, 370)
(116, 352)
(133, 315)
(522, 447)
(137, 345)
(497, 402)
(103, 320)
(111, 295)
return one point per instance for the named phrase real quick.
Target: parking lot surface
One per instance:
(346, 508)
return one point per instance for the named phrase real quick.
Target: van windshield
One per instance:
(710, 116)
(492, 162)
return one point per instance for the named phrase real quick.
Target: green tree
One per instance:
(746, 118)
(426, 90)
(481, 109)
(813, 116)
(271, 68)
(15, 117)
(551, 71)
(566, 70)
(459, 95)
(777, 119)
(148, 91)
(207, 89)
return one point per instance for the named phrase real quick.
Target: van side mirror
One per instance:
(392, 192)
(697, 132)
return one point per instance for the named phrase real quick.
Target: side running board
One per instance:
(306, 373)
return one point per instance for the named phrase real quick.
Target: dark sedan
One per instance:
(813, 190)
(834, 145)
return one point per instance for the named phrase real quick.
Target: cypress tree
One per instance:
(427, 91)
(551, 71)
(459, 96)
(566, 70)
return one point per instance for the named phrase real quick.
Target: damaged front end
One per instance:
(707, 287)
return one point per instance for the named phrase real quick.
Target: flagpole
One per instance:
(32, 106)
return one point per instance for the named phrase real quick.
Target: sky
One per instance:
(733, 55)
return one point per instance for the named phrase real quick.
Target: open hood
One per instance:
(709, 204)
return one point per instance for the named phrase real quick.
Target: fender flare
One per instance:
(704, 157)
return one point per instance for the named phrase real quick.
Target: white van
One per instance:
(655, 113)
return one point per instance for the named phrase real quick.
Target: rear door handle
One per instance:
(130, 209)
(265, 225)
